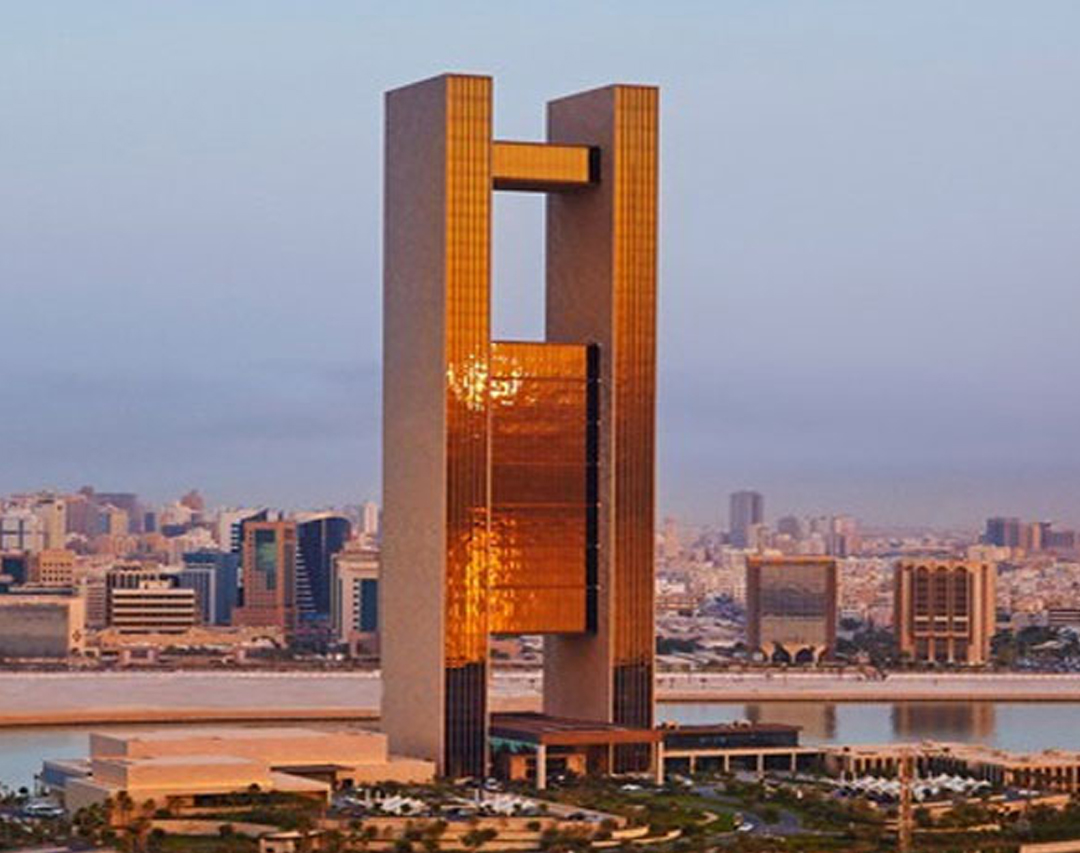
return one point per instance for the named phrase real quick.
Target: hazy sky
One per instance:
(870, 256)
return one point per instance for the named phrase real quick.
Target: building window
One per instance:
(369, 605)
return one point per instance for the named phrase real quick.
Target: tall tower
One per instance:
(746, 509)
(518, 476)
(269, 571)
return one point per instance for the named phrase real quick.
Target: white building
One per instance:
(21, 529)
(152, 607)
(354, 597)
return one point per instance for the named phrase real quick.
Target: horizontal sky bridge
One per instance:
(543, 166)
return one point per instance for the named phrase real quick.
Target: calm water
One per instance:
(1010, 725)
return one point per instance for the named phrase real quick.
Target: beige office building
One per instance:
(354, 598)
(791, 607)
(518, 476)
(152, 607)
(53, 567)
(41, 626)
(177, 767)
(945, 610)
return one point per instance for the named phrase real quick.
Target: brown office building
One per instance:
(269, 576)
(791, 607)
(945, 610)
(518, 477)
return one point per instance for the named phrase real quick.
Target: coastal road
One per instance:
(118, 697)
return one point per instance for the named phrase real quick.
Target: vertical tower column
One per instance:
(601, 288)
(435, 435)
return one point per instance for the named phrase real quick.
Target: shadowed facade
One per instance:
(518, 476)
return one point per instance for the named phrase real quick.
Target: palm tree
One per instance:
(124, 805)
(432, 835)
(367, 835)
(474, 839)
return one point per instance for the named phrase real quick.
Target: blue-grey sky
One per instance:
(870, 263)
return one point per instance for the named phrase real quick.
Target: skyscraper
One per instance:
(1003, 532)
(791, 607)
(945, 610)
(319, 537)
(746, 509)
(269, 571)
(215, 576)
(518, 477)
(369, 520)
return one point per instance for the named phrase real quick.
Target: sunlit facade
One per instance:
(269, 576)
(518, 476)
(791, 607)
(945, 611)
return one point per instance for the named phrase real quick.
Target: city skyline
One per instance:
(888, 251)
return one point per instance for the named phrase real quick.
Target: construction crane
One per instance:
(907, 818)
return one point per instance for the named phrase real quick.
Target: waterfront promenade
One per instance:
(95, 698)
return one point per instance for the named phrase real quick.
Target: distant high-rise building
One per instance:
(194, 501)
(945, 610)
(80, 515)
(843, 537)
(114, 521)
(355, 599)
(14, 569)
(746, 509)
(1004, 532)
(126, 501)
(370, 519)
(53, 567)
(789, 525)
(218, 573)
(319, 537)
(230, 535)
(791, 606)
(93, 590)
(1060, 540)
(203, 580)
(21, 530)
(53, 517)
(269, 576)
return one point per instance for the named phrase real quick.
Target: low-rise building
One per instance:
(53, 567)
(153, 607)
(41, 626)
(1055, 770)
(178, 768)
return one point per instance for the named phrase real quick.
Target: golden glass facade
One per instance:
(544, 402)
(540, 167)
(468, 227)
(601, 280)
(634, 376)
(523, 502)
